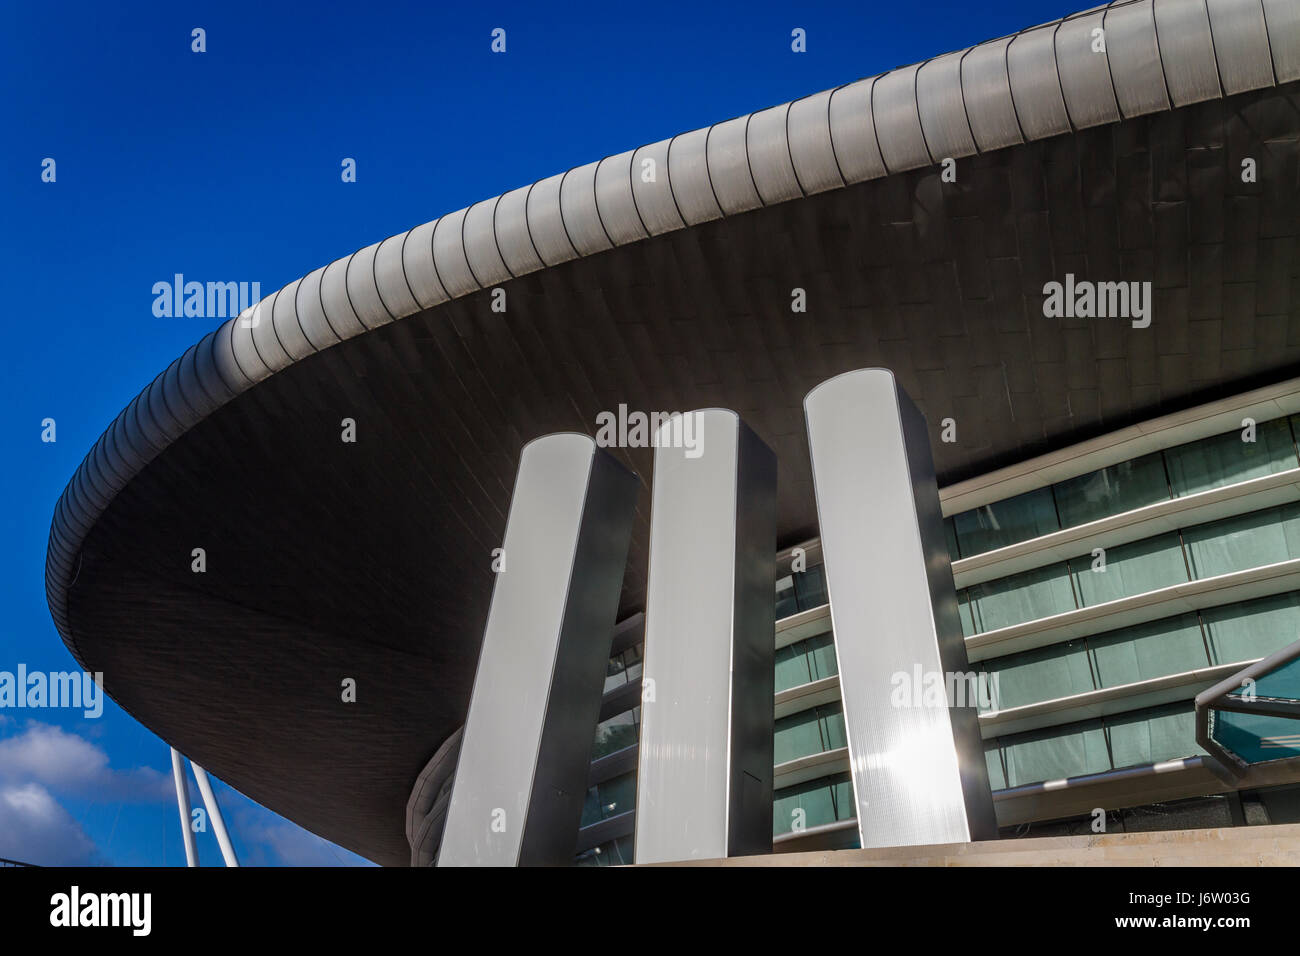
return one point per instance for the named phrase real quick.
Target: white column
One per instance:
(183, 804)
(918, 765)
(704, 786)
(522, 774)
(214, 815)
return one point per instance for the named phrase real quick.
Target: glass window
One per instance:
(609, 799)
(1252, 629)
(786, 601)
(1145, 651)
(808, 660)
(1044, 674)
(615, 673)
(993, 758)
(809, 732)
(950, 535)
(1226, 459)
(791, 666)
(1245, 541)
(810, 587)
(842, 793)
(797, 736)
(1130, 569)
(813, 804)
(1021, 597)
(964, 608)
(832, 721)
(1008, 522)
(1112, 491)
(822, 662)
(1056, 753)
(614, 853)
(623, 667)
(1153, 735)
(616, 733)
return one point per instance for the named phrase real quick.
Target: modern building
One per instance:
(312, 493)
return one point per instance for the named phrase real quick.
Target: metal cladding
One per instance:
(917, 761)
(1036, 84)
(704, 784)
(522, 773)
(321, 557)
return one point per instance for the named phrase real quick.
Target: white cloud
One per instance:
(35, 828)
(66, 762)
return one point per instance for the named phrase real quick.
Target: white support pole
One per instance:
(214, 814)
(183, 803)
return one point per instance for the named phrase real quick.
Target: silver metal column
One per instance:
(704, 787)
(214, 815)
(183, 804)
(918, 771)
(522, 773)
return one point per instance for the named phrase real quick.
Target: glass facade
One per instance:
(1183, 470)
(617, 733)
(809, 732)
(812, 804)
(623, 667)
(609, 799)
(800, 591)
(1202, 551)
(1220, 634)
(806, 661)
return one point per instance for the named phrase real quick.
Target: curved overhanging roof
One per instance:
(661, 277)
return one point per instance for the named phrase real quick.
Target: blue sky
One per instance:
(225, 166)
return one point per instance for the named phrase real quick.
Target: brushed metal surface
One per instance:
(481, 250)
(1240, 44)
(986, 91)
(339, 312)
(449, 258)
(418, 268)
(728, 165)
(511, 224)
(546, 223)
(942, 108)
(918, 770)
(811, 150)
(390, 280)
(521, 778)
(769, 156)
(853, 132)
(284, 320)
(654, 198)
(1133, 52)
(704, 784)
(898, 121)
(614, 202)
(689, 174)
(1187, 50)
(1035, 84)
(362, 290)
(581, 216)
(1283, 20)
(311, 316)
(1084, 70)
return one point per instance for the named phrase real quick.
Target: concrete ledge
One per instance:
(1228, 846)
